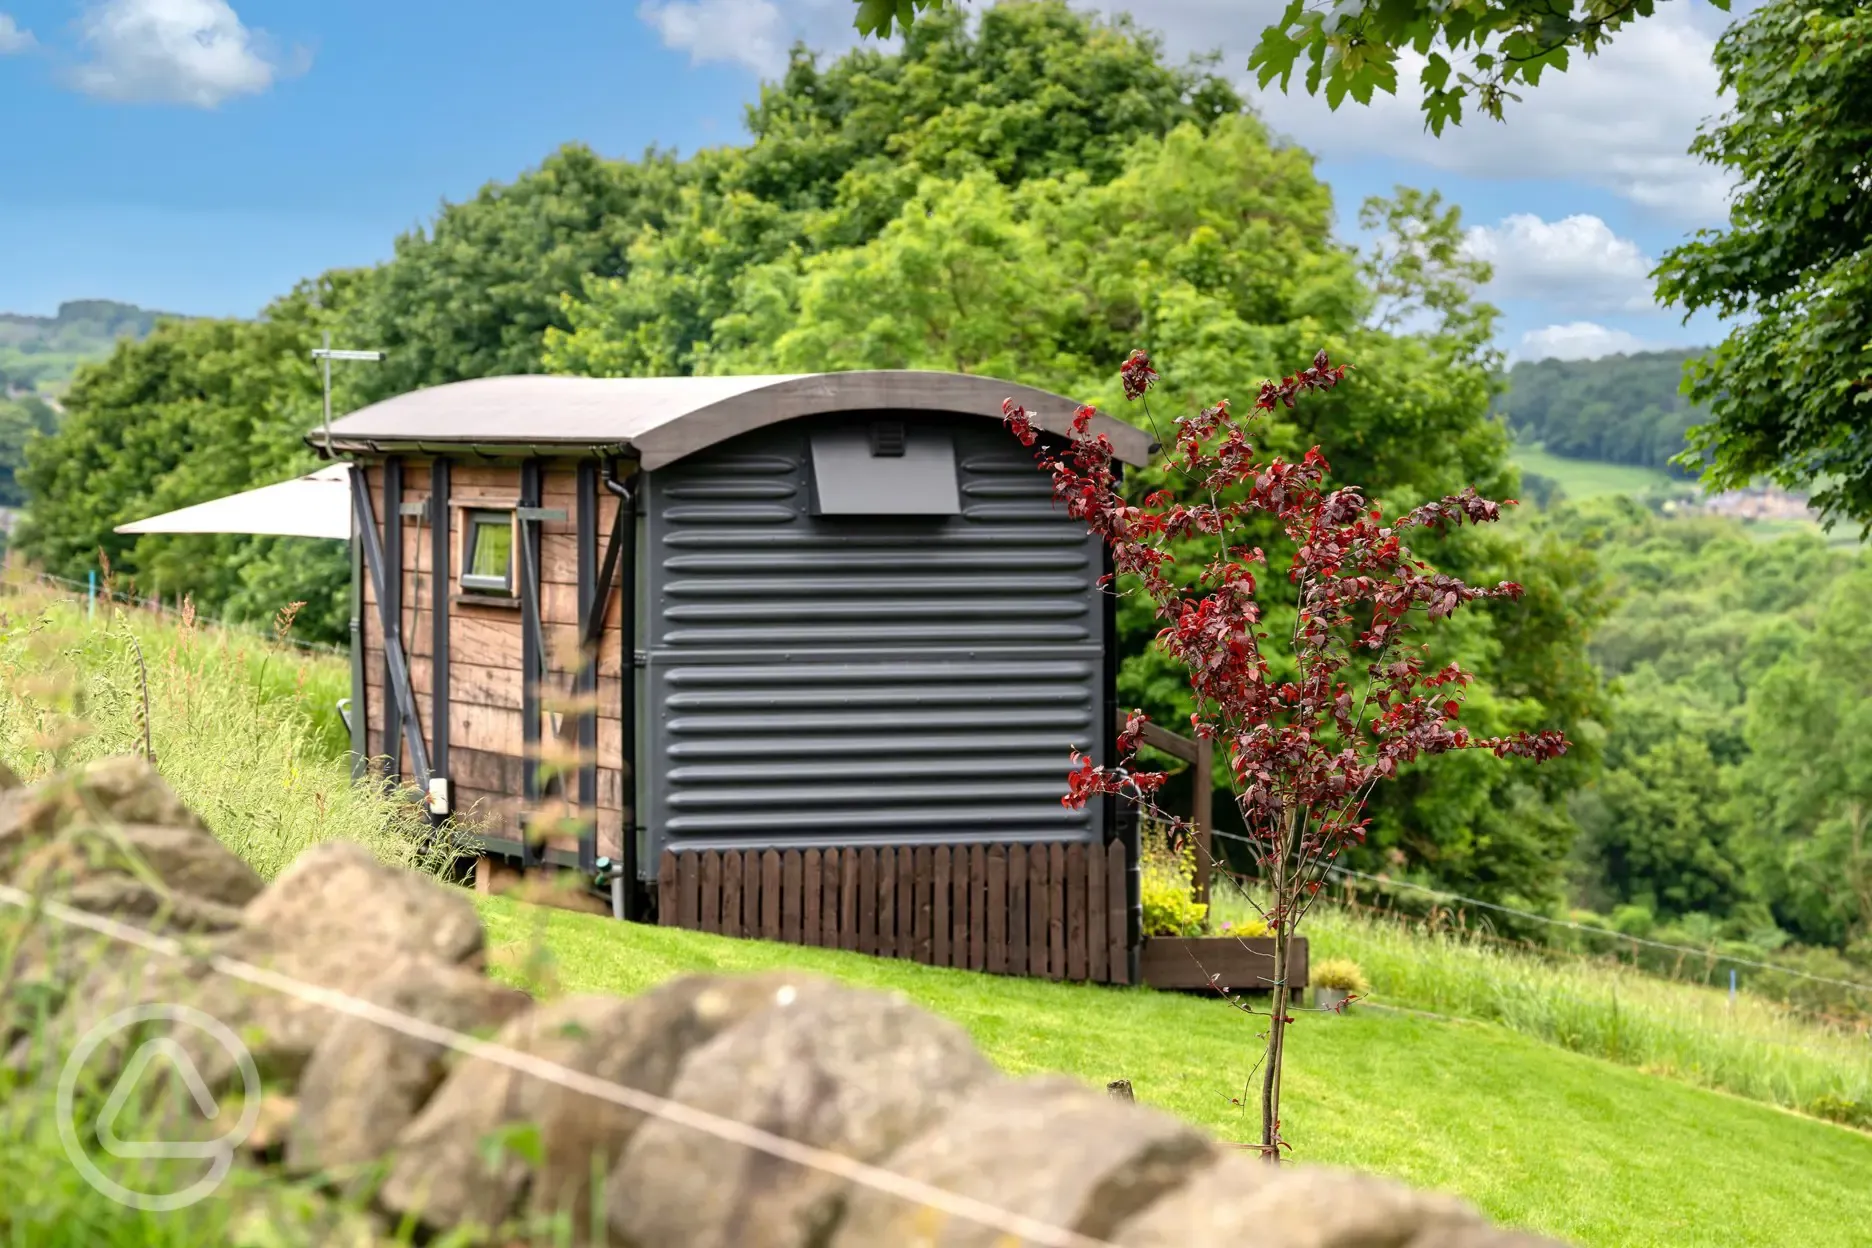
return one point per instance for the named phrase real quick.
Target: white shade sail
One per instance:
(313, 506)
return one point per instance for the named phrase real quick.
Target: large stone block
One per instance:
(119, 790)
(449, 1169)
(365, 1082)
(644, 1048)
(1048, 1148)
(1245, 1203)
(339, 893)
(851, 1072)
(117, 828)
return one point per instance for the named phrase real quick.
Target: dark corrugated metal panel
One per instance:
(847, 680)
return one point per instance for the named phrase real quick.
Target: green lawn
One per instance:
(1553, 1141)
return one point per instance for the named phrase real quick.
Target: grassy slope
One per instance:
(1540, 1138)
(1582, 479)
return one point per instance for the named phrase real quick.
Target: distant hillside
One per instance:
(39, 353)
(1621, 409)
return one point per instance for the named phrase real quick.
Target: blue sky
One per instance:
(201, 155)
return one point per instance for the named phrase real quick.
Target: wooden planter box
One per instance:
(1240, 964)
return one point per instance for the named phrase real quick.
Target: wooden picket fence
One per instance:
(1047, 911)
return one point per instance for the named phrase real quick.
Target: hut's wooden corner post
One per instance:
(532, 650)
(585, 692)
(441, 520)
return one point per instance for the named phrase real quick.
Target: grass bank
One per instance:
(1539, 1137)
(1581, 479)
(247, 731)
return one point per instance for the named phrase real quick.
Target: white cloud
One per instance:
(1621, 121)
(1577, 264)
(1578, 340)
(193, 52)
(12, 38)
(754, 33)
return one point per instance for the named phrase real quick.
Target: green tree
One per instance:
(1623, 409)
(1790, 389)
(1731, 730)
(21, 421)
(472, 294)
(1032, 91)
(1661, 825)
(1810, 730)
(203, 409)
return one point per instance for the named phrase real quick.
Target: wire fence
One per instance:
(1449, 914)
(108, 596)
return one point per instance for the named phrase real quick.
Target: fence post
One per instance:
(1202, 801)
(91, 595)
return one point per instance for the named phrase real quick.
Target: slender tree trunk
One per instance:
(1277, 1039)
(1277, 1020)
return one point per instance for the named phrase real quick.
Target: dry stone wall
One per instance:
(430, 1139)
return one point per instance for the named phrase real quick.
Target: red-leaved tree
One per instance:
(1305, 752)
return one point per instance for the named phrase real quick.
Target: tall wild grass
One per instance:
(1751, 1047)
(245, 729)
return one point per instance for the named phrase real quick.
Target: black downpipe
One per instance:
(392, 611)
(625, 491)
(360, 711)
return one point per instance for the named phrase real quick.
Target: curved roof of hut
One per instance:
(663, 419)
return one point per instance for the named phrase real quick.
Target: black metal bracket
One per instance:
(394, 658)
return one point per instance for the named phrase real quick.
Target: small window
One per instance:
(487, 553)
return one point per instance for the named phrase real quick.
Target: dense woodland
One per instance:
(1032, 196)
(22, 419)
(1623, 409)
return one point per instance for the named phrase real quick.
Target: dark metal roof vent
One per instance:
(887, 439)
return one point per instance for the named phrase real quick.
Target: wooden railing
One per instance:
(1198, 753)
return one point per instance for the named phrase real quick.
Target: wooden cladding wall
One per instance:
(486, 678)
(1049, 911)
